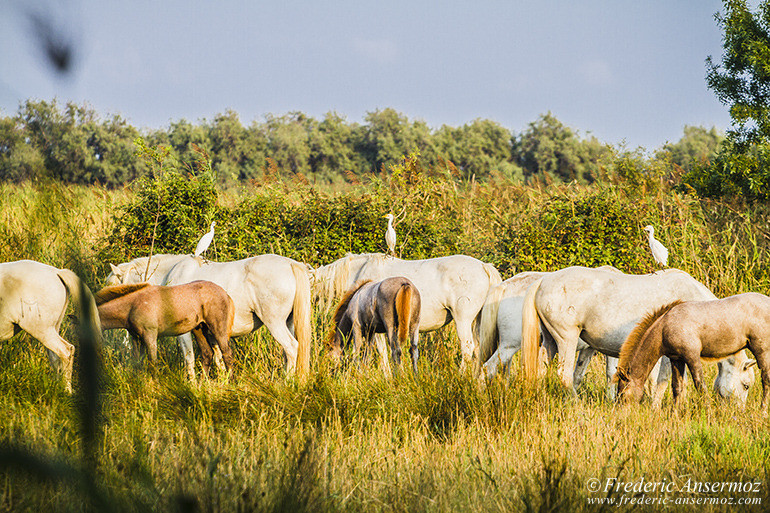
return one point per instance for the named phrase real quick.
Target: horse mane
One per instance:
(341, 308)
(107, 294)
(637, 334)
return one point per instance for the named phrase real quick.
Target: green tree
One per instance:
(332, 148)
(479, 148)
(696, 147)
(237, 153)
(288, 138)
(550, 150)
(19, 159)
(742, 80)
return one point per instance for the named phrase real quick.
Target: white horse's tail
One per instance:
(74, 287)
(403, 312)
(488, 336)
(493, 273)
(301, 314)
(530, 332)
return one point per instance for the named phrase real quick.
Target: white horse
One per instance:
(601, 308)
(500, 340)
(266, 289)
(451, 287)
(138, 270)
(33, 298)
(500, 330)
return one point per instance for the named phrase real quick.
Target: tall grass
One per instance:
(352, 440)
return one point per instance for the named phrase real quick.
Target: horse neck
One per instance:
(645, 355)
(114, 314)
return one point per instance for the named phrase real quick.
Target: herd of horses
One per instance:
(649, 327)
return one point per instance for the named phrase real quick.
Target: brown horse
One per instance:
(151, 311)
(688, 332)
(391, 306)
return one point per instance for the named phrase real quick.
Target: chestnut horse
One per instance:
(390, 306)
(688, 332)
(151, 311)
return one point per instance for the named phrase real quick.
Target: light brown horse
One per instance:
(688, 332)
(390, 306)
(151, 311)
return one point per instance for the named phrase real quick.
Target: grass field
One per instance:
(354, 441)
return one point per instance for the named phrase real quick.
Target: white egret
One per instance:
(205, 241)
(659, 251)
(390, 235)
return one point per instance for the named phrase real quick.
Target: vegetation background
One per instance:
(80, 192)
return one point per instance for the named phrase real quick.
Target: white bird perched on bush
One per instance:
(390, 235)
(659, 251)
(205, 241)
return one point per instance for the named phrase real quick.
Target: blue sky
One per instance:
(618, 69)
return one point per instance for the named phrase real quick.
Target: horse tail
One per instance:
(493, 274)
(530, 332)
(301, 314)
(488, 336)
(84, 300)
(404, 311)
(637, 335)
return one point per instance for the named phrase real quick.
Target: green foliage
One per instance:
(170, 212)
(733, 172)
(550, 151)
(601, 227)
(742, 80)
(696, 147)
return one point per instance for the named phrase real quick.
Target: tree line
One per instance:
(73, 144)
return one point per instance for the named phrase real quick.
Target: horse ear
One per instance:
(116, 270)
(749, 364)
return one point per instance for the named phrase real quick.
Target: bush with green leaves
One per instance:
(590, 228)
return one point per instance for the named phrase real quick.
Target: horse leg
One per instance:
(61, 354)
(186, 347)
(467, 342)
(220, 340)
(395, 346)
(763, 362)
(413, 351)
(663, 375)
(581, 365)
(610, 368)
(548, 351)
(382, 349)
(290, 345)
(205, 350)
(566, 343)
(498, 361)
(151, 343)
(677, 378)
(695, 365)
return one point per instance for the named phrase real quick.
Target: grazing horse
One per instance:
(500, 334)
(266, 289)
(151, 311)
(597, 306)
(451, 287)
(390, 306)
(33, 298)
(698, 330)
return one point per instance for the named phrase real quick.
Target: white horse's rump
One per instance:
(33, 298)
(451, 287)
(597, 306)
(266, 289)
(500, 329)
